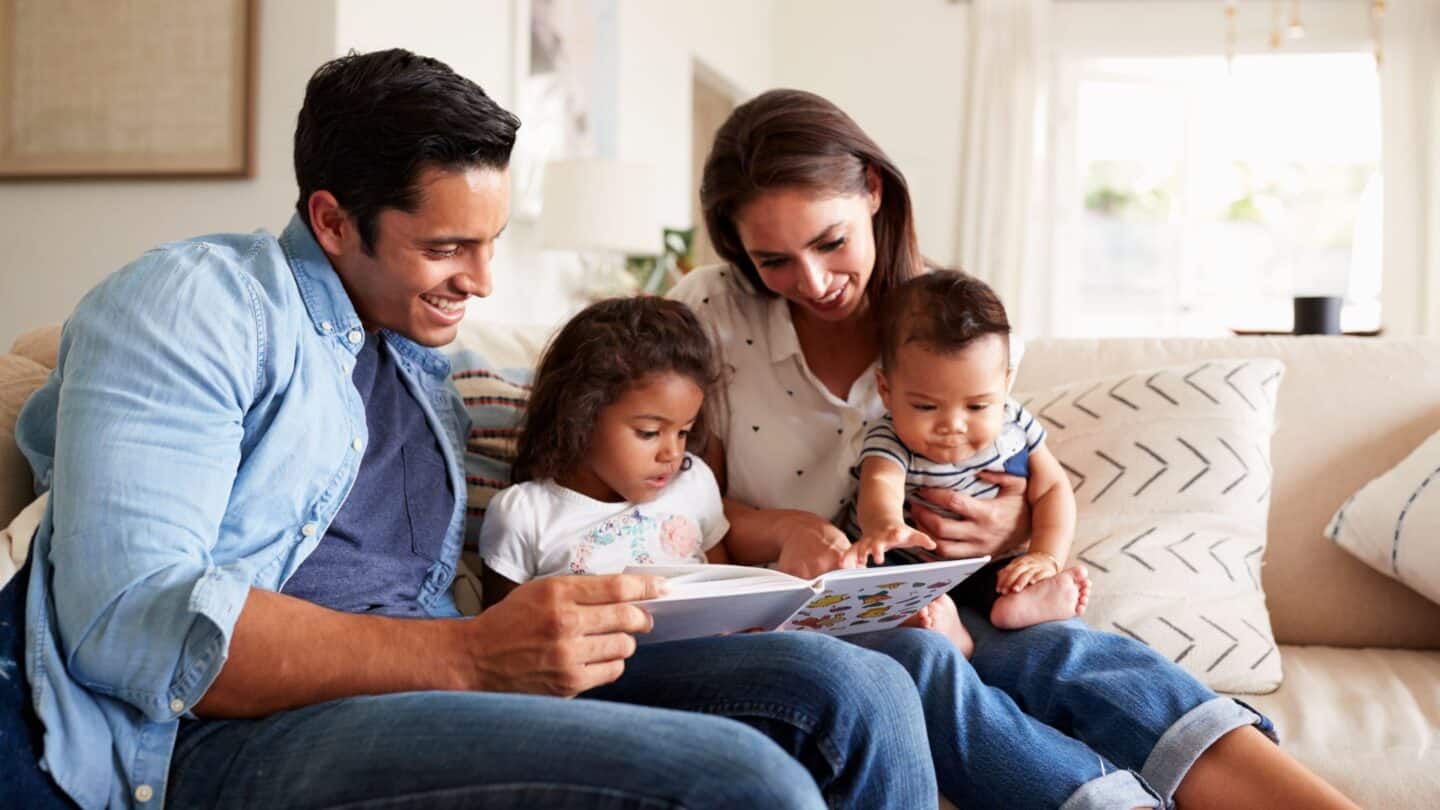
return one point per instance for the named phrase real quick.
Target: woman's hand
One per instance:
(810, 545)
(989, 526)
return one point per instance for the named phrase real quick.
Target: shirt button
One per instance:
(326, 326)
(144, 793)
(355, 336)
(177, 705)
(357, 444)
(308, 530)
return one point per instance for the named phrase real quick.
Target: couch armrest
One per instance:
(41, 345)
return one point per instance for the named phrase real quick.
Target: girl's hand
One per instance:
(983, 527)
(872, 547)
(1025, 570)
(810, 544)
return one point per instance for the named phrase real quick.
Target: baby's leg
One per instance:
(1062, 596)
(942, 617)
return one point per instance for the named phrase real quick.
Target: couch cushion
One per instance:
(1171, 471)
(19, 377)
(1349, 409)
(1366, 720)
(41, 345)
(492, 366)
(1393, 523)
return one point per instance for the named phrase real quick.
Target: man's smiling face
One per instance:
(426, 264)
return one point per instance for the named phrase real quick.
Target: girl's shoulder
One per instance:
(523, 495)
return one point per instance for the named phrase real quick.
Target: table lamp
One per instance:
(605, 210)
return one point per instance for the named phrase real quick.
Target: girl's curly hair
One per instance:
(607, 349)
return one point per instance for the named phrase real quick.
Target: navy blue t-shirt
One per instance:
(387, 534)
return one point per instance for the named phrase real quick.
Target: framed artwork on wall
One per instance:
(148, 88)
(566, 84)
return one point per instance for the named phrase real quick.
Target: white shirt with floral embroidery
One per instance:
(540, 528)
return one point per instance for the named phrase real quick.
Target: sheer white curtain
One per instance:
(1410, 163)
(1003, 233)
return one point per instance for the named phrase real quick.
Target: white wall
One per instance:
(898, 69)
(61, 237)
(471, 36)
(659, 42)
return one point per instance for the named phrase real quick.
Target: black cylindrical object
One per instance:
(1317, 314)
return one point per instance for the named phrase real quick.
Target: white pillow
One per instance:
(1171, 471)
(1393, 523)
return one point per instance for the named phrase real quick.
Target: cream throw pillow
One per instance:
(1171, 471)
(1393, 523)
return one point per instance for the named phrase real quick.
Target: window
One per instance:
(1209, 196)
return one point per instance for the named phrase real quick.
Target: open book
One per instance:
(708, 600)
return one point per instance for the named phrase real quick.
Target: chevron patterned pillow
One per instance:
(1171, 470)
(1393, 523)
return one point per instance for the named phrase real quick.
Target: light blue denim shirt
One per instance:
(199, 433)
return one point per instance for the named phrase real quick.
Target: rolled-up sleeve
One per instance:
(157, 370)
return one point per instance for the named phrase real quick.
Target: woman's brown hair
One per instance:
(794, 139)
(607, 349)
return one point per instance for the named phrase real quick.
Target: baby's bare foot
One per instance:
(942, 617)
(1063, 596)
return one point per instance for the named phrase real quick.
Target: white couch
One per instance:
(1360, 702)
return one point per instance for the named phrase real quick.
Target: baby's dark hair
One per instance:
(943, 310)
(609, 348)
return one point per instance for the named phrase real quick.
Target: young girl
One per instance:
(606, 475)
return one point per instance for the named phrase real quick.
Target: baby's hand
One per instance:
(874, 545)
(1024, 571)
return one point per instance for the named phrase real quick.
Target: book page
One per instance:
(713, 614)
(860, 600)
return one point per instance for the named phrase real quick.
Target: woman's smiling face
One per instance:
(813, 249)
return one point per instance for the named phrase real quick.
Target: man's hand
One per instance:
(873, 545)
(810, 545)
(559, 635)
(983, 527)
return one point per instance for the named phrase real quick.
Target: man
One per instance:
(239, 595)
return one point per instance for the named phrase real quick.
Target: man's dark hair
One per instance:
(373, 122)
(943, 310)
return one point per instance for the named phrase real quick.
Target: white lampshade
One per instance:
(602, 205)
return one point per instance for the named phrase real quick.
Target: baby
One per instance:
(944, 378)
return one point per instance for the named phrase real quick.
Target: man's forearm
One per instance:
(286, 653)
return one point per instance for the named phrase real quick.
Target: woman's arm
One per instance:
(801, 543)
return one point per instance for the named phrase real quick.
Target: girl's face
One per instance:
(814, 250)
(639, 441)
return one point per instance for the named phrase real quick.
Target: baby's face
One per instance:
(947, 407)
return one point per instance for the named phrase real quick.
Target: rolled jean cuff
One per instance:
(1192, 735)
(1114, 789)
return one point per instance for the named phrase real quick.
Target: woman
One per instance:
(816, 224)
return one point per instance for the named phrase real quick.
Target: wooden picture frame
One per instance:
(152, 89)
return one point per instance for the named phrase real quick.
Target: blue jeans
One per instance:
(817, 718)
(1059, 715)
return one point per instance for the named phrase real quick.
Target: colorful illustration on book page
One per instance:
(866, 606)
